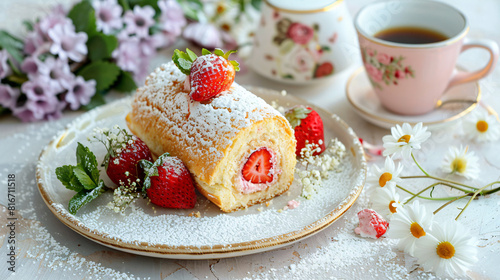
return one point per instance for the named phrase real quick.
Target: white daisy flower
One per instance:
(448, 250)
(404, 139)
(409, 224)
(460, 161)
(385, 201)
(386, 176)
(482, 126)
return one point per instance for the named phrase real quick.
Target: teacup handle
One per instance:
(491, 46)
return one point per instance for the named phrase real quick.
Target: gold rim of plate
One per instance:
(394, 122)
(324, 9)
(213, 251)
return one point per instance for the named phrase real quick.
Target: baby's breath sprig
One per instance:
(312, 170)
(115, 140)
(403, 140)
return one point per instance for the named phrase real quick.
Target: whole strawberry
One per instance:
(124, 153)
(168, 183)
(308, 127)
(209, 74)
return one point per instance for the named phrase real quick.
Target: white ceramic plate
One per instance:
(456, 103)
(170, 233)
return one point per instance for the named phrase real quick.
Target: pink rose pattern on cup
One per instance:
(300, 43)
(383, 68)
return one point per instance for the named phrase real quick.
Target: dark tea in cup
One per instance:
(410, 35)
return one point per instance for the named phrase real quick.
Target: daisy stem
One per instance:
(479, 191)
(492, 190)
(435, 184)
(428, 198)
(413, 157)
(449, 202)
(439, 179)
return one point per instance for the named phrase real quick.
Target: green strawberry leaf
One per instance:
(205, 51)
(87, 160)
(101, 46)
(296, 114)
(235, 64)
(68, 179)
(151, 169)
(219, 52)
(125, 82)
(83, 17)
(191, 54)
(83, 197)
(183, 61)
(104, 73)
(83, 178)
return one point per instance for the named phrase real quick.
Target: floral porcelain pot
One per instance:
(303, 41)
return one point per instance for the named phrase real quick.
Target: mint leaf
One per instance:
(125, 82)
(100, 46)
(182, 61)
(12, 45)
(87, 160)
(83, 178)
(104, 73)
(67, 177)
(83, 17)
(83, 197)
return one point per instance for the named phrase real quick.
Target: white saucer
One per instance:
(456, 103)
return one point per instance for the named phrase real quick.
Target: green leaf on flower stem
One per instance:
(85, 196)
(104, 73)
(142, 3)
(125, 82)
(83, 17)
(191, 8)
(95, 101)
(12, 45)
(256, 4)
(100, 46)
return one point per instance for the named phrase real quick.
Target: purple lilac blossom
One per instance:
(32, 110)
(172, 18)
(4, 66)
(8, 96)
(79, 92)
(57, 113)
(57, 70)
(68, 44)
(54, 19)
(24, 112)
(38, 88)
(204, 34)
(31, 65)
(33, 43)
(127, 55)
(108, 14)
(139, 21)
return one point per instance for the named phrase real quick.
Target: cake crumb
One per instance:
(260, 209)
(269, 203)
(196, 214)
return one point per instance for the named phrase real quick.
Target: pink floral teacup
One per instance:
(303, 41)
(409, 79)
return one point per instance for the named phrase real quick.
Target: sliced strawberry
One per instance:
(308, 127)
(371, 224)
(258, 167)
(209, 74)
(168, 183)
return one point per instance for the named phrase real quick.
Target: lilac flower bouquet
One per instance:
(70, 58)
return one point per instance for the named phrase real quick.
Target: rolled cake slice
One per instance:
(216, 139)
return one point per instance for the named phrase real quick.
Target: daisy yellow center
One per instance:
(391, 207)
(445, 250)
(384, 178)
(482, 126)
(416, 230)
(459, 165)
(405, 138)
